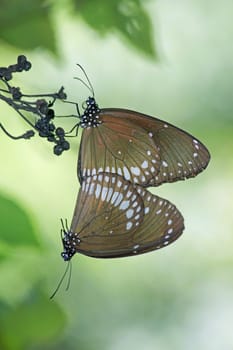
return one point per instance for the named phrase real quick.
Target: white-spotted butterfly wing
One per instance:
(143, 149)
(162, 224)
(113, 218)
(118, 146)
(181, 154)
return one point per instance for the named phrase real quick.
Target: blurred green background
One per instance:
(172, 59)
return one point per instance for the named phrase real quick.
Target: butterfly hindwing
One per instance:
(162, 224)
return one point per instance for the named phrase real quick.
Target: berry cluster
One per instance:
(21, 65)
(34, 105)
(47, 129)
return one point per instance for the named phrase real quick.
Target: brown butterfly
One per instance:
(143, 149)
(114, 218)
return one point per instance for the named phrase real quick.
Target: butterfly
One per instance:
(143, 149)
(115, 218)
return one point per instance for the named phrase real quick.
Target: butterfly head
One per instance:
(90, 117)
(70, 241)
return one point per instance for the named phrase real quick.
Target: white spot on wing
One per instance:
(129, 225)
(119, 183)
(110, 192)
(100, 177)
(114, 197)
(91, 189)
(128, 194)
(144, 164)
(104, 193)
(146, 210)
(97, 190)
(106, 178)
(119, 171)
(126, 173)
(124, 205)
(135, 170)
(118, 199)
(129, 213)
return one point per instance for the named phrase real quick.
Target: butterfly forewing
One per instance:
(107, 206)
(118, 146)
(181, 155)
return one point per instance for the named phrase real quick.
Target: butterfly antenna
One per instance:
(61, 280)
(87, 86)
(66, 225)
(63, 226)
(90, 87)
(70, 273)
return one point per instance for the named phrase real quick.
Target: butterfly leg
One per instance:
(75, 127)
(77, 108)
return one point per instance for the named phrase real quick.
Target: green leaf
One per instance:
(127, 17)
(26, 24)
(16, 227)
(36, 321)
